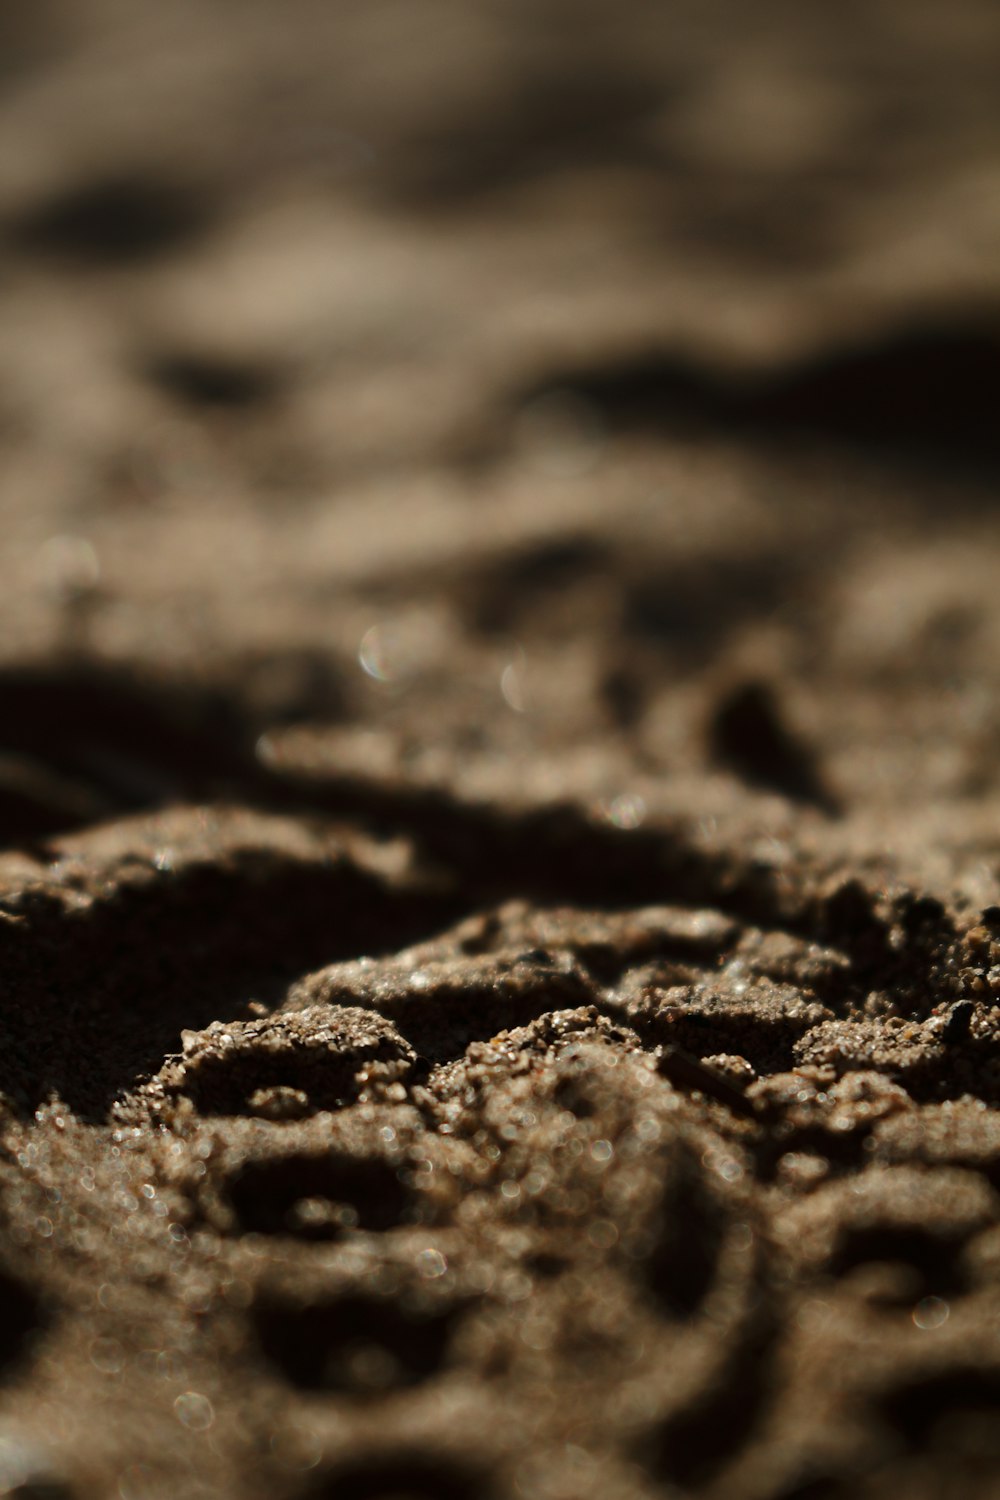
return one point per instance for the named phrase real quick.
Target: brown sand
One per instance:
(499, 722)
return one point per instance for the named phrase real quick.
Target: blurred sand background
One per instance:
(585, 349)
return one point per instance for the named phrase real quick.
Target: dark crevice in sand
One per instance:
(688, 1073)
(393, 1473)
(954, 1408)
(693, 608)
(688, 1451)
(357, 1345)
(114, 221)
(318, 1196)
(558, 853)
(214, 381)
(932, 1255)
(683, 1264)
(442, 1025)
(919, 392)
(813, 1486)
(104, 742)
(100, 741)
(81, 742)
(904, 942)
(766, 1041)
(21, 1317)
(98, 997)
(684, 1449)
(842, 1151)
(747, 732)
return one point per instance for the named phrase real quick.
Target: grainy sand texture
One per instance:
(499, 737)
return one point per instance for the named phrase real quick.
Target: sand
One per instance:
(499, 870)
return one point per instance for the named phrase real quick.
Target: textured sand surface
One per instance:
(499, 727)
